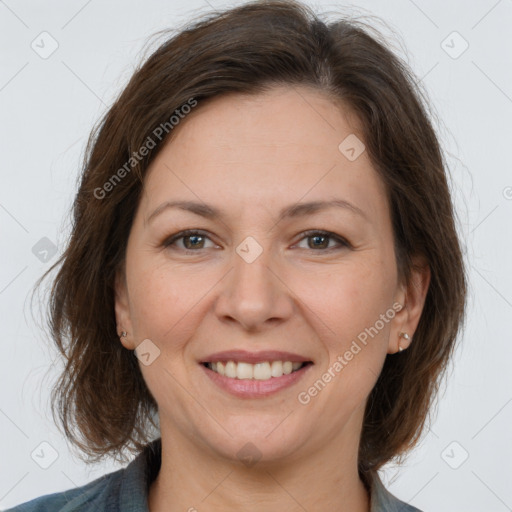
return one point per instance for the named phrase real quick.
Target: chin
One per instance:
(256, 440)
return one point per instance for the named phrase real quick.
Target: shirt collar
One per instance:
(137, 478)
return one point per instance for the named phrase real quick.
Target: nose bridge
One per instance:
(253, 294)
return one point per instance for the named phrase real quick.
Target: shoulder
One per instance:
(383, 501)
(90, 497)
(125, 489)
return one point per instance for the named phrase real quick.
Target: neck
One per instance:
(190, 479)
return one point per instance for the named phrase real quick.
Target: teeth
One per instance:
(221, 368)
(244, 371)
(230, 369)
(277, 369)
(258, 371)
(261, 371)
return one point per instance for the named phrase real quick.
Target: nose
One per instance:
(253, 294)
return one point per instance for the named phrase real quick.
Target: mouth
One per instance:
(261, 371)
(259, 378)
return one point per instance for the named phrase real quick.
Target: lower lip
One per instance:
(251, 388)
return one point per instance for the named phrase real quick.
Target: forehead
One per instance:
(270, 148)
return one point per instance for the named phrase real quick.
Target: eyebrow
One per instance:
(292, 211)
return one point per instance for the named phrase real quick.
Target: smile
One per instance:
(257, 380)
(265, 370)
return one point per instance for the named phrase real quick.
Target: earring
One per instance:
(405, 336)
(123, 334)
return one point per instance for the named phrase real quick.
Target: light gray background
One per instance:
(48, 107)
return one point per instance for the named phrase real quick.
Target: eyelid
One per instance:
(343, 242)
(182, 234)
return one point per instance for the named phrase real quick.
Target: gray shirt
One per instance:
(126, 490)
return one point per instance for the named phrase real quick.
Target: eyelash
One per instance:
(307, 234)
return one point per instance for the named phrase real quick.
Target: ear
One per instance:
(412, 298)
(122, 310)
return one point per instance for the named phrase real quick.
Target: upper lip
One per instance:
(255, 357)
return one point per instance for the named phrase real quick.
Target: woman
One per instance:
(264, 282)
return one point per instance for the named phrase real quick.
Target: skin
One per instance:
(252, 156)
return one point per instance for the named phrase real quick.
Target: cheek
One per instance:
(161, 299)
(350, 296)
(353, 311)
(164, 306)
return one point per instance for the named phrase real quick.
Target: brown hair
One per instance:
(101, 398)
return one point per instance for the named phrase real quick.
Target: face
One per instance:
(263, 274)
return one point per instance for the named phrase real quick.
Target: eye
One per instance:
(320, 240)
(193, 240)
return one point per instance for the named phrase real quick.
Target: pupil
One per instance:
(193, 238)
(316, 238)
